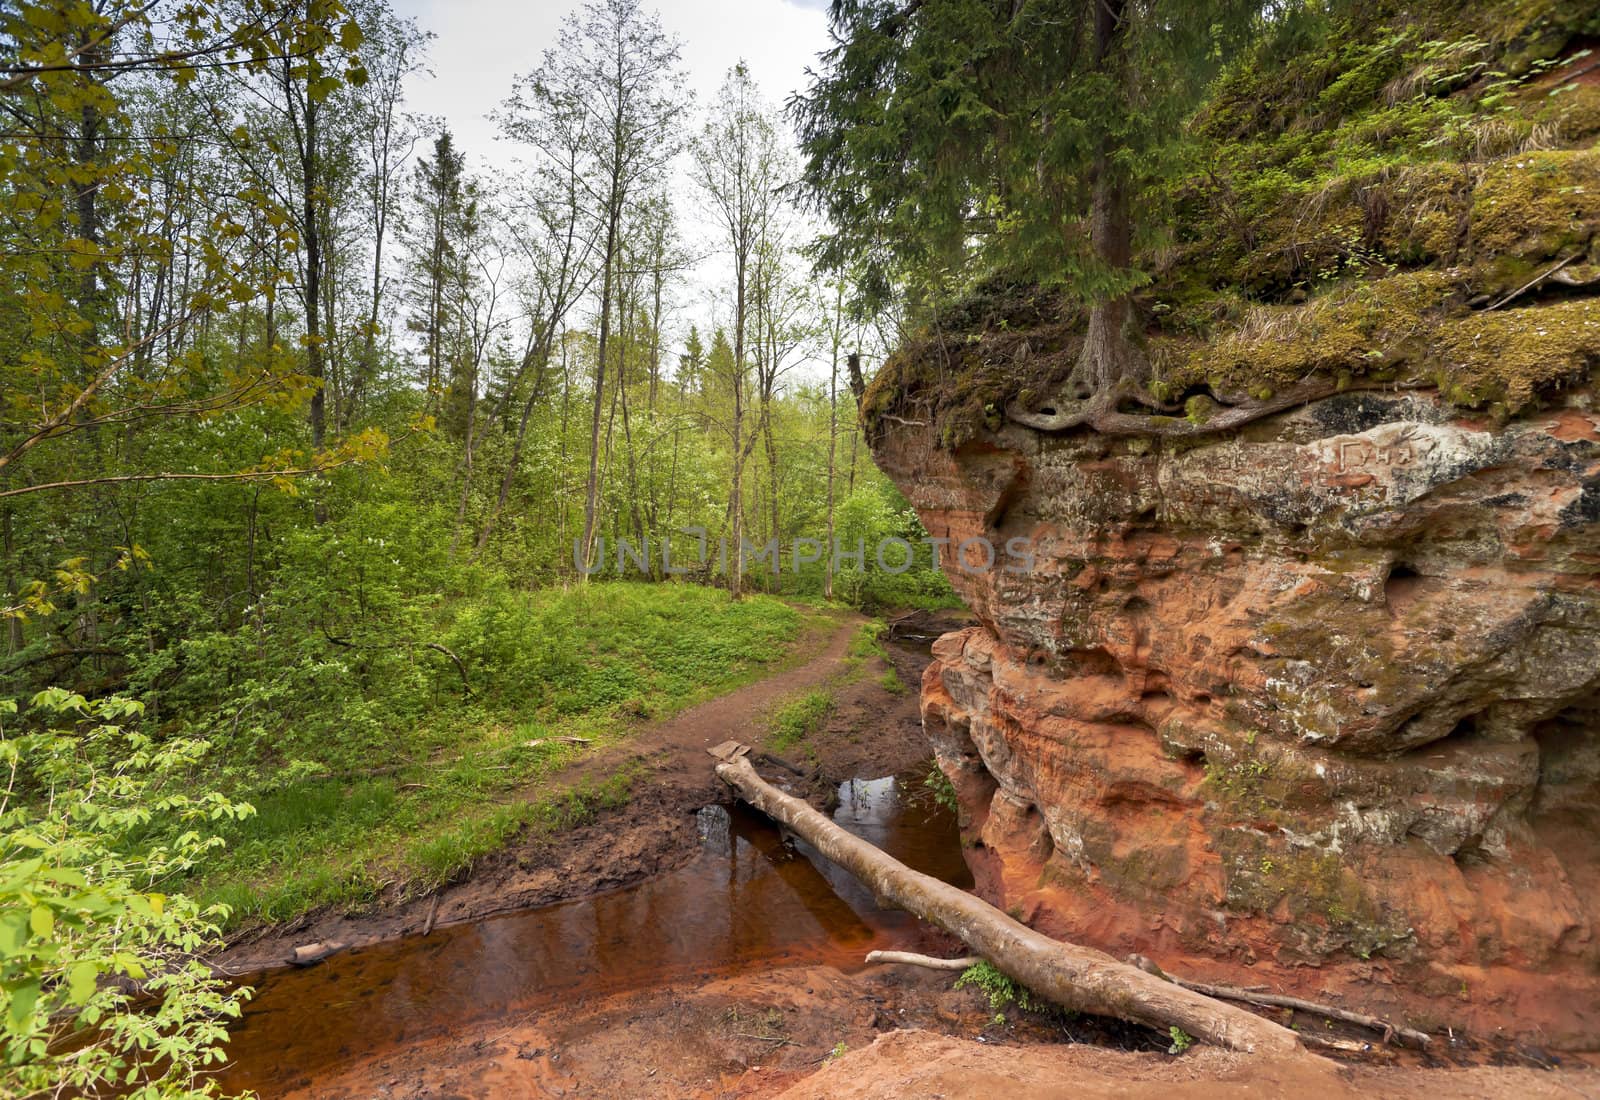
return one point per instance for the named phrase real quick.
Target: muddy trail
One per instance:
(677, 883)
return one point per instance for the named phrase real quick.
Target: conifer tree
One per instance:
(954, 140)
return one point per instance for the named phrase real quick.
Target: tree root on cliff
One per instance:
(1102, 411)
(1391, 1032)
(1074, 977)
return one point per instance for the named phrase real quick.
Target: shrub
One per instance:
(83, 919)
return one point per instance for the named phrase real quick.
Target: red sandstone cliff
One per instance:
(1315, 704)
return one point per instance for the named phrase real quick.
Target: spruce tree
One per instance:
(950, 141)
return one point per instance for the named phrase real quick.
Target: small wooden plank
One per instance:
(729, 751)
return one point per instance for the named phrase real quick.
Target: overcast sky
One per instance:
(482, 45)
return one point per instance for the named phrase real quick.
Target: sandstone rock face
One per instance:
(1315, 705)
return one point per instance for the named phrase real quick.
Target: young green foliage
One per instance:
(88, 914)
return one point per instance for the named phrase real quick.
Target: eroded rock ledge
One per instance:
(1316, 704)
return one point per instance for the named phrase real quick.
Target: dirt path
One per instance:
(655, 831)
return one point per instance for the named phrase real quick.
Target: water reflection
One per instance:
(749, 900)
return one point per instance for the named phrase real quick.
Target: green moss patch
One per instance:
(1512, 356)
(1534, 208)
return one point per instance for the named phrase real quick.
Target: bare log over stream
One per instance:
(1074, 977)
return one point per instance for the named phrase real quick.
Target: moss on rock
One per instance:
(1533, 208)
(1573, 109)
(1514, 355)
(963, 384)
(1354, 331)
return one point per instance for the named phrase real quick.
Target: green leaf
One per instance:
(81, 981)
(19, 1015)
(13, 933)
(321, 88)
(65, 876)
(43, 921)
(20, 873)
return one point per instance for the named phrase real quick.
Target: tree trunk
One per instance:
(1078, 978)
(833, 439)
(312, 297)
(736, 490)
(772, 482)
(627, 443)
(655, 333)
(592, 489)
(369, 345)
(858, 383)
(435, 334)
(87, 155)
(515, 461)
(466, 460)
(1108, 358)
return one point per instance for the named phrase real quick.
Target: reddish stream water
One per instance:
(749, 900)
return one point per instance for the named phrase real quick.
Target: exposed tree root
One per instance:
(1389, 1031)
(1103, 412)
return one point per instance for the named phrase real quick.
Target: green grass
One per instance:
(417, 804)
(868, 640)
(867, 645)
(799, 718)
(864, 648)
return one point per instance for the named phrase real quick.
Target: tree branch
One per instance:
(246, 476)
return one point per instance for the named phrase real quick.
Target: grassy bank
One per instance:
(415, 803)
(792, 723)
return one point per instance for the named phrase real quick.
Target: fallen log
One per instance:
(308, 953)
(1077, 978)
(1221, 992)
